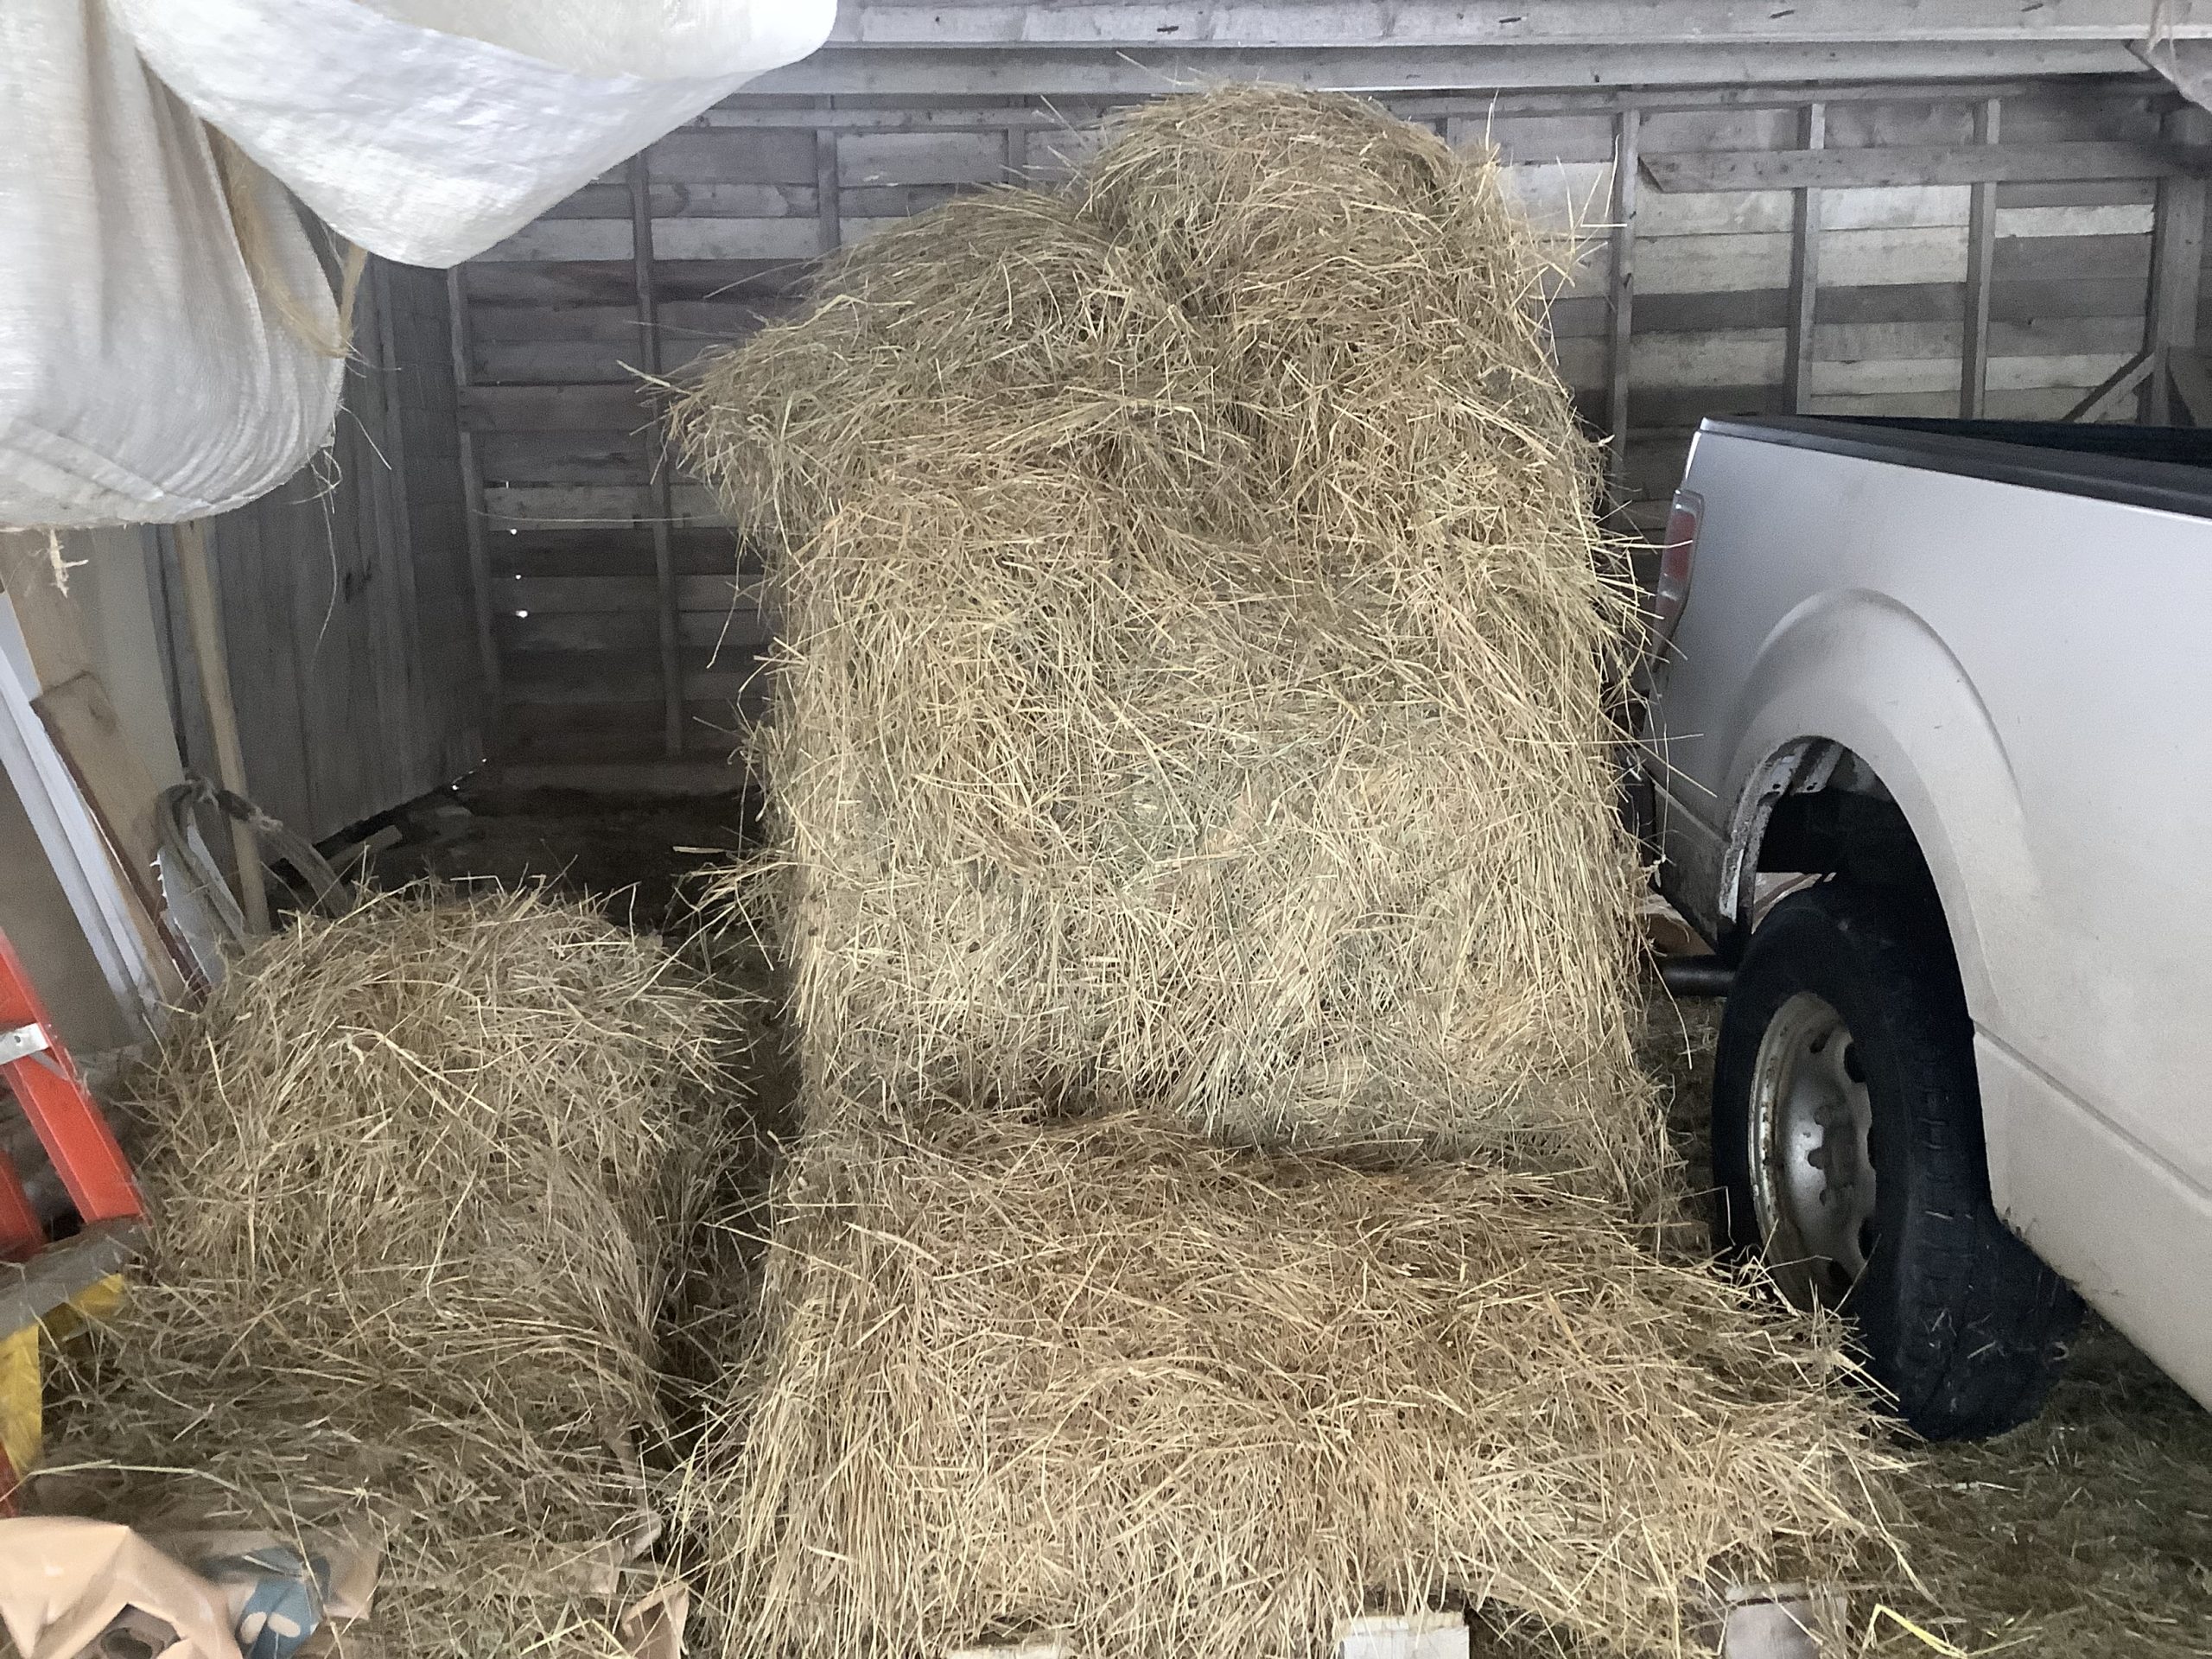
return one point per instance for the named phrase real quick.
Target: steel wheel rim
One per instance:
(1812, 1167)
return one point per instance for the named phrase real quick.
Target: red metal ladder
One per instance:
(38, 1276)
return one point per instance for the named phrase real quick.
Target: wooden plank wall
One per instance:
(348, 608)
(626, 650)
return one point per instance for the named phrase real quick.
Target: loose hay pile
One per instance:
(420, 1181)
(1190, 689)
(1108, 1378)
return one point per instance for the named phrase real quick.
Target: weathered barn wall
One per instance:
(349, 610)
(1922, 277)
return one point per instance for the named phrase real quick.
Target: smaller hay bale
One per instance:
(1109, 1379)
(420, 1178)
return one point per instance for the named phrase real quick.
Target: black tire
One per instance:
(1954, 1315)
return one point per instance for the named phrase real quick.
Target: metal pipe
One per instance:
(1696, 975)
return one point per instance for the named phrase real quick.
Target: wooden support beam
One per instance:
(1621, 298)
(907, 71)
(1887, 167)
(2121, 381)
(1112, 23)
(2192, 384)
(207, 649)
(745, 110)
(671, 662)
(1981, 261)
(1804, 275)
(2177, 263)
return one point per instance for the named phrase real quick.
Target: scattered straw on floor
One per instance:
(1109, 1378)
(1194, 645)
(420, 1179)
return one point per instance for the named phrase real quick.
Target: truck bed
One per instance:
(2161, 466)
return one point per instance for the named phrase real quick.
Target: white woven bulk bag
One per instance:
(146, 374)
(426, 130)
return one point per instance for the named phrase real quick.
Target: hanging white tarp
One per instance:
(147, 374)
(426, 130)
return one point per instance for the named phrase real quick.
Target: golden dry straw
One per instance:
(420, 1179)
(1109, 1379)
(1194, 648)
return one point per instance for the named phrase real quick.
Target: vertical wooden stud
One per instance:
(826, 187)
(1981, 260)
(472, 484)
(2176, 264)
(664, 502)
(1017, 154)
(1622, 297)
(207, 626)
(1804, 276)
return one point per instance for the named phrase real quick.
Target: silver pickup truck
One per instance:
(1948, 676)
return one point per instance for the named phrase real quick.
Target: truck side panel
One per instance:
(2026, 671)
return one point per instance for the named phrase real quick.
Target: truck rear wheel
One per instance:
(1847, 1144)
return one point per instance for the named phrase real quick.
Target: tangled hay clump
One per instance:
(1195, 648)
(420, 1181)
(1109, 1379)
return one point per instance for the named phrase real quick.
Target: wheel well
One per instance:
(1841, 819)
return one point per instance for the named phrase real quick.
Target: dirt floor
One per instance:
(2086, 1534)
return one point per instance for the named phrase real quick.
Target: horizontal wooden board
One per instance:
(557, 362)
(613, 552)
(556, 239)
(601, 283)
(736, 239)
(1891, 302)
(2074, 258)
(1935, 375)
(1719, 129)
(1692, 314)
(1793, 169)
(620, 407)
(1712, 264)
(567, 457)
(2077, 192)
(760, 156)
(2057, 113)
(867, 158)
(1913, 123)
(1901, 207)
(1879, 258)
(1721, 214)
(725, 635)
(588, 677)
(2021, 299)
(896, 202)
(1538, 137)
(2127, 218)
(2060, 337)
(597, 503)
(1563, 195)
(1743, 357)
(1582, 360)
(719, 200)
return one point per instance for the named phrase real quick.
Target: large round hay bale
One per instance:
(1194, 648)
(1108, 1379)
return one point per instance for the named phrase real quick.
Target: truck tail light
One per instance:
(1676, 560)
